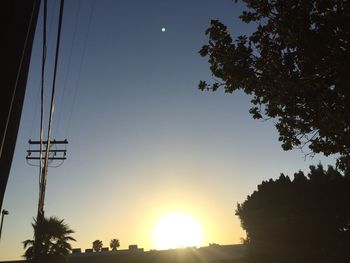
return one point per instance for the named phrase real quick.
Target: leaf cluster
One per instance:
(97, 245)
(56, 238)
(114, 244)
(296, 67)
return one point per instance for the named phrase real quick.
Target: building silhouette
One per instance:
(209, 254)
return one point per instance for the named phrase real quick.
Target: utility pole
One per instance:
(47, 155)
(3, 213)
(44, 152)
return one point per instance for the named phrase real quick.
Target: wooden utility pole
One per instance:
(44, 155)
(47, 155)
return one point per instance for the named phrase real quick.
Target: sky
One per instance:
(143, 140)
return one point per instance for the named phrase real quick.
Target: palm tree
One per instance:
(97, 245)
(114, 244)
(55, 241)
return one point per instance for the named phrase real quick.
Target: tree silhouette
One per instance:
(114, 244)
(97, 245)
(306, 219)
(296, 67)
(55, 246)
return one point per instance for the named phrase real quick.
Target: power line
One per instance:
(77, 15)
(37, 96)
(17, 79)
(51, 21)
(80, 68)
(48, 28)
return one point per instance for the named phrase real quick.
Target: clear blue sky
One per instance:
(143, 140)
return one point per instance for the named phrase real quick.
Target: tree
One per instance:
(56, 237)
(306, 219)
(296, 67)
(114, 244)
(97, 245)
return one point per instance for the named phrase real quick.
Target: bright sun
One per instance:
(177, 230)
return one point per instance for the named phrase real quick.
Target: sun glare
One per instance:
(177, 230)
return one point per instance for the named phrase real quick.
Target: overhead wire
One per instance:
(80, 69)
(17, 78)
(35, 115)
(77, 15)
(45, 40)
(48, 37)
(51, 21)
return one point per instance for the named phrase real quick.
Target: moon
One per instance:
(163, 29)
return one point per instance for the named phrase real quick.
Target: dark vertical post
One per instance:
(40, 216)
(3, 213)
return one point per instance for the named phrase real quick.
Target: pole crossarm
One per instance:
(37, 151)
(53, 153)
(51, 142)
(50, 158)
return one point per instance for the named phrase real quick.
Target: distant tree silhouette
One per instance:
(114, 244)
(306, 219)
(97, 245)
(296, 67)
(56, 238)
(213, 245)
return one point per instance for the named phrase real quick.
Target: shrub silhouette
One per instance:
(306, 219)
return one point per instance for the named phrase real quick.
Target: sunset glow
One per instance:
(177, 230)
(150, 160)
